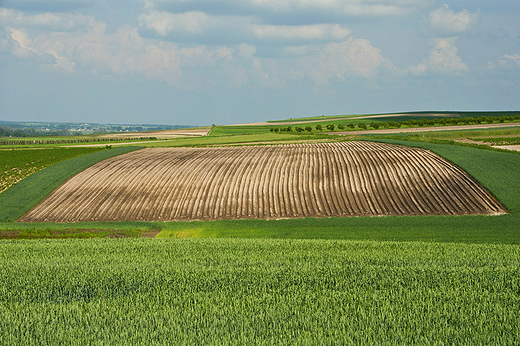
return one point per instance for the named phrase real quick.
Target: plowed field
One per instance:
(297, 180)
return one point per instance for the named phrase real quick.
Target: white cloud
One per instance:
(446, 21)
(301, 50)
(378, 8)
(164, 23)
(351, 57)
(442, 58)
(49, 21)
(301, 32)
(125, 53)
(200, 23)
(509, 61)
(246, 50)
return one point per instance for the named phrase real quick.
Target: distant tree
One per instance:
(288, 129)
(271, 129)
(341, 127)
(319, 128)
(374, 125)
(331, 127)
(298, 129)
(362, 125)
(276, 129)
(308, 128)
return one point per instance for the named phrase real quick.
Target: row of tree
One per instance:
(411, 123)
(71, 141)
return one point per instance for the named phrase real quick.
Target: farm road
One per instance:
(296, 122)
(424, 129)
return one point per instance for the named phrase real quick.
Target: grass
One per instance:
(497, 171)
(238, 139)
(240, 291)
(499, 140)
(453, 134)
(420, 114)
(23, 196)
(16, 164)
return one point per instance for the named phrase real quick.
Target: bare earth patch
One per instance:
(167, 134)
(283, 181)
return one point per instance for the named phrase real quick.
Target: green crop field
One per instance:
(239, 291)
(352, 280)
(21, 197)
(16, 164)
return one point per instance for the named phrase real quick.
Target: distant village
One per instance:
(25, 129)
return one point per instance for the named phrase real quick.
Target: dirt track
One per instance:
(166, 134)
(296, 122)
(424, 129)
(284, 181)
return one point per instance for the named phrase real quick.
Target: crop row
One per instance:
(251, 292)
(15, 165)
(299, 180)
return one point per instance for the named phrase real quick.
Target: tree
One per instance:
(362, 125)
(319, 128)
(341, 127)
(308, 128)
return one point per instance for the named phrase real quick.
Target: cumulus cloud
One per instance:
(164, 22)
(48, 21)
(301, 50)
(351, 57)
(380, 8)
(200, 23)
(442, 58)
(125, 53)
(121, 52)
(446, 21)
(509, 61)
(46, 5)
(301, 32)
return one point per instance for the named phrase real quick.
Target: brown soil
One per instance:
(167, 134)
(269, 182)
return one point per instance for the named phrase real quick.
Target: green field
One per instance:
(239, 291)
(420, 114)
(352, 280)
(21, 197)
(16, 164)
(497, 171)
(380, 123)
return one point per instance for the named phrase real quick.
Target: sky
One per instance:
(203, 62)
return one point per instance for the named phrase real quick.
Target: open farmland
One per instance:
(257, 292)
(298, 180)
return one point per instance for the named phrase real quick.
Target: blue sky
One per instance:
(201, 62)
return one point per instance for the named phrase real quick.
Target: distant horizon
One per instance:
(297, 117)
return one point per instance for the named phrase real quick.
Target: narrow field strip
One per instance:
(21, 197)
(289, 181)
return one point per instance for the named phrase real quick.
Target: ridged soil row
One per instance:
(296, 180)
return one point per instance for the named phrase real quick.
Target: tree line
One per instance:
(397, 124)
